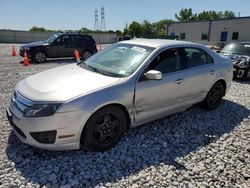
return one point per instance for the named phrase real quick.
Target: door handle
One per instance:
(212, 72)
(179, 81)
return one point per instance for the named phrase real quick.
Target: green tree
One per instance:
(110, 31)
(185, 15)
(188, 15)
(209, 15)
(135, 29)
(228, 14)
(118, 32)
(85, 30)
(37, 29)
(160, 27)
(147, 28)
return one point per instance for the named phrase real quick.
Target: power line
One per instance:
(96, 27)
(103, 24)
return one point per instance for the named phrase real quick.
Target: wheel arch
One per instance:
(39, 50)
(122, 107)
(224, 84)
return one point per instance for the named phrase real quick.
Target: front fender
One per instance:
(121, 94)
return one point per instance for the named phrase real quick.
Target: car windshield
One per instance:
(119, 60)
(51, 39)
(237, 48)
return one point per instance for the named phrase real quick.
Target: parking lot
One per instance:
(194, 148)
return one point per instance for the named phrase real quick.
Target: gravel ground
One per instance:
(194, 148)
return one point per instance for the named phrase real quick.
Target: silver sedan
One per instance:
(93, 103)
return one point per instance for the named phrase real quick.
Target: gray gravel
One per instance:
(195, 148)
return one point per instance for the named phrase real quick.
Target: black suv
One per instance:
(60, 45)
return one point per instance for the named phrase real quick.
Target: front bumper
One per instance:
(241, 72)
(62, 123)
(21, 53)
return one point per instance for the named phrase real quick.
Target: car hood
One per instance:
(237, 58)
(63, 83)
(32, 44)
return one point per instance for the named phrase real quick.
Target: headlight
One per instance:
(40, 110)
(243, 63)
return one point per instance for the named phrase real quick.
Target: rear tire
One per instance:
(214, 96)
(39, 57)
(86, 54)
(104, 129)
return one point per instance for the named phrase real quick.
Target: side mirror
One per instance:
(217, 51)
(153, 75)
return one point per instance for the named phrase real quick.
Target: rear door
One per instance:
(68, 45)
(199, 74)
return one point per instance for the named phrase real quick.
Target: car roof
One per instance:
(155, 43)
(72, 34)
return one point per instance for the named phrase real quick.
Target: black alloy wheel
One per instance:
(105, 128)
(214, 96)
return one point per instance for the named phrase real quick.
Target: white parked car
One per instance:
(93, 103)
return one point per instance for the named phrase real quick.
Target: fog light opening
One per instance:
(47, 137)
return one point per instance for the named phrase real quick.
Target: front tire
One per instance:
(104, 129)
(39, 57)
(214, 96)
(246, 75)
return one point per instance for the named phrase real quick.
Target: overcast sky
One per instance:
(74, 14)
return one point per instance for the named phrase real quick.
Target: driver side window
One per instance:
(65, 39)
(168, 61)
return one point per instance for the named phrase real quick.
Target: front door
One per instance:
(63, 47)
(158, 98)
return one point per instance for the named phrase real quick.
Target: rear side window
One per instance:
(83, 38)
(78, 38)
(197, 57)
(88, 38)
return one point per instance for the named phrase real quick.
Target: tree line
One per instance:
(146, 28)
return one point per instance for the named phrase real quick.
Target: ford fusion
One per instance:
(130, 83)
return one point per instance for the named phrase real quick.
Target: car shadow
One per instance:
(168, 139)
(242, 82)
(54, 61)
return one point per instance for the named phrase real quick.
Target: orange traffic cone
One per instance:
(26, 59)
(13, 51)
(77, 56)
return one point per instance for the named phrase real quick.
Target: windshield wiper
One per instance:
(84, 65)
(89, 67)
